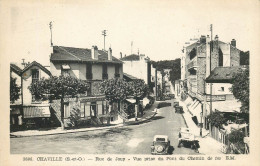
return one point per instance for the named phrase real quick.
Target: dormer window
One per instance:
(65, 70)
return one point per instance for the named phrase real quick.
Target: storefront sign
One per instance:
(216, 98)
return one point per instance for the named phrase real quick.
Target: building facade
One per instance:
(198, 61)
(94, 66)
(28, 109)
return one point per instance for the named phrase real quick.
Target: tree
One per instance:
(139, 90)
(175, 73)
(240, 88)
(217, 119)
(14, 90)
(115, 90)
(58, 88)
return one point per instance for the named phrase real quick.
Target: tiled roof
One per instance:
(61, 53)
(222, 74)
(132, 57)
(34, 63)
(129, 77)
(15, 69)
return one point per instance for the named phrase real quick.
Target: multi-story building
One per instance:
(138, 66)
(198, 61)
(28, 109)
(87, 64)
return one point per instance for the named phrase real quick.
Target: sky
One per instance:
(158, 29)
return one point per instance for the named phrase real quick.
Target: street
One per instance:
(135, 139)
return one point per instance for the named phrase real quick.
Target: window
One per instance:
(117, 71)
(222, 89)
(35, 75)
(89, 71)
(220, 59)
(104, 73)
(65, 70)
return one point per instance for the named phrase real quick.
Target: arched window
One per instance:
(220, 58)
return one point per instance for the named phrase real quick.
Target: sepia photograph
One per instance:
(151, 78)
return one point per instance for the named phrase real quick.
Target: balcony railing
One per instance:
(192, 64)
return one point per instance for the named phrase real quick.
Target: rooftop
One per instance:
(132, 57)
(222, 74)
(61, 53)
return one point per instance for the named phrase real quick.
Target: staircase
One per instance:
(96, 120)
(55, 106)
(123, 115)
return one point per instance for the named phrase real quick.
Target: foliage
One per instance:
(217, 119)
(58, 87)
(175, 65)
(138, 89)
(175, 73)
(236, 136)
(240, 88)
(115, 89)
(14, 90)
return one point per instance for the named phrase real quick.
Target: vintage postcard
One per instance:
(148, 82)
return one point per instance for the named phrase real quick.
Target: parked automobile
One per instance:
(161, 144)
(188, 139)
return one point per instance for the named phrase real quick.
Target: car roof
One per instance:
(161, 136)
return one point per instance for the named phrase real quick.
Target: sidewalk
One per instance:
(148, 115)
(208, 145)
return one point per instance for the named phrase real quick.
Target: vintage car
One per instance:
(188, 139)
(161, 144)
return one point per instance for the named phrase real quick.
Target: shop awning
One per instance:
(227, 106)
(65, 67)
(36, 111)
(131, 101)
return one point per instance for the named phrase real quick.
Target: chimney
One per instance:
(233, 42)
(203, 39)
(109, 54)
(216, 37)
(121, 55)
(94, 52)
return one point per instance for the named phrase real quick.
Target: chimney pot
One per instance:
(216, 37)
(94, 52)
(109, 54)
(121, 55)
(233, 42)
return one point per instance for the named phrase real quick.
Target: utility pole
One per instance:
(24, 63)
(131, 47)
(50, 25)
(211, 48)
(104, 33)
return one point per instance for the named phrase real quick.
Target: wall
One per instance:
(235, 56)
(27, 80)
(97, 70)
(216, 88)
(137, 69)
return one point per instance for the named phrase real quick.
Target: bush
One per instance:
(163, 104)
(217, 119)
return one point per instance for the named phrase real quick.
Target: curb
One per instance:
(142, 121)
(101, 128)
